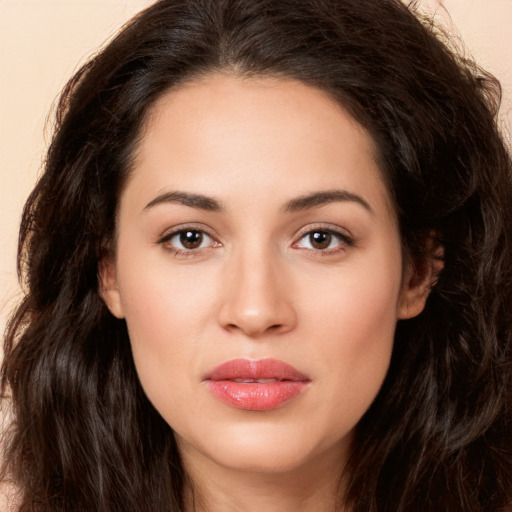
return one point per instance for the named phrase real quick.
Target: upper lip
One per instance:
(249, 369)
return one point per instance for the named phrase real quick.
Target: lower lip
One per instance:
(253, 396)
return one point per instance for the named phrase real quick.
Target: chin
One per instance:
(264, 448)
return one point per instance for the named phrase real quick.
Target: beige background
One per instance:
(43, 41)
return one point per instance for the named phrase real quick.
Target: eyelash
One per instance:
(166, 241)
(344, 241)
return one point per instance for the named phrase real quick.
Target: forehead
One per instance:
(260, 133)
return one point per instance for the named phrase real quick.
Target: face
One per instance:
(259, 269)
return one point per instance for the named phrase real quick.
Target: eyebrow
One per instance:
(322, 198)
(301, 203)
(193, 200)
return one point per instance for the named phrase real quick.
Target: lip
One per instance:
(252, 385)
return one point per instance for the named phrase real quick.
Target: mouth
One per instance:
(256, 385)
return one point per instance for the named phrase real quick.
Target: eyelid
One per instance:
(345, 237)
(192, 226)
(328, 227)
(176, 230)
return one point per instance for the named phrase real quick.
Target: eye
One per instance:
(188, 240)
(325, 240)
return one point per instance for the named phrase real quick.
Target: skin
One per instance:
(258, 286)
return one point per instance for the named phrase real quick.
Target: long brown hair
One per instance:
(438, 436)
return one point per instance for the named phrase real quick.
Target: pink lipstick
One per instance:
(256, 385)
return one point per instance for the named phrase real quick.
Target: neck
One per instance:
(314, 488)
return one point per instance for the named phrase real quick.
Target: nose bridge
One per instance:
(256, 299)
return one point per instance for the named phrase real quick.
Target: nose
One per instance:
(257, 299)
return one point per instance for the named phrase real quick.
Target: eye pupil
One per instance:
(191, 239)
(320, 239)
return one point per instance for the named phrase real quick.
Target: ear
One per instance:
(108, 288)
(419, 280)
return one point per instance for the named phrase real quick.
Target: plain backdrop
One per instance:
(42, 42)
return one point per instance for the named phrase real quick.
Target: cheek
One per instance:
(165, 313)
(354, 322)
(159, 298)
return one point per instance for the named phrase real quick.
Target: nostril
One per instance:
(274, 327)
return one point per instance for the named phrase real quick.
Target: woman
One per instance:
(268, 267)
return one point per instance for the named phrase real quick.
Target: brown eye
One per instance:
(324, 241)
(188, 240)
(191, 239)
(320, 239)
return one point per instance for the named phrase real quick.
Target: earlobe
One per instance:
(108, 289)
(419, 281)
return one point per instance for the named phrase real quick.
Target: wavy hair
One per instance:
(438, 436)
